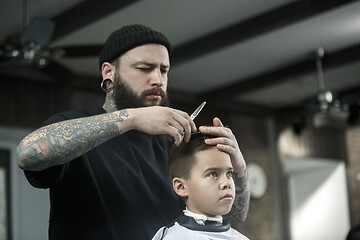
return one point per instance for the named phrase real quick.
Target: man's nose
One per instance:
(157, 78)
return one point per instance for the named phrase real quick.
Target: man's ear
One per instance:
(179, 185)
(108, 70)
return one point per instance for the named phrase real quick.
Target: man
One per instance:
(107, 168)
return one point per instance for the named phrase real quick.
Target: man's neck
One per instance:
(109, 105)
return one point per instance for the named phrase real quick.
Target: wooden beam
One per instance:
(84, 13)
(288, 73)
(252, 27)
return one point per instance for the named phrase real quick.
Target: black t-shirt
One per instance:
(118, 190)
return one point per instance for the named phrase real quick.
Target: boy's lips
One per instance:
(227, 197)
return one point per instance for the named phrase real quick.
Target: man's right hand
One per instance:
(163, 120)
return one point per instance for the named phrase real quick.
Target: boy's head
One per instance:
(202, 175)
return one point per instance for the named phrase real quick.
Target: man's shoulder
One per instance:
(81, 113)
(58, 117)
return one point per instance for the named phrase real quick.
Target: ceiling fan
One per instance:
(330, 112)
(27, 55)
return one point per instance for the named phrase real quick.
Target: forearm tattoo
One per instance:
(64, 141)
(240, 207)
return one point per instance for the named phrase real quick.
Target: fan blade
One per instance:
(28, 73)
(51, 71)
(38, 31)
(57, 71)
(78, 51)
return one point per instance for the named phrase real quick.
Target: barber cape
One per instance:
(199, 227)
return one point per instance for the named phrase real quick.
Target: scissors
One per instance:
(197, 111)
(193, 116)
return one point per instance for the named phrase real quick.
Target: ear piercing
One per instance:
(107, 87)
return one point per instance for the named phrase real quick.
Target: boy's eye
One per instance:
(229, 174)
(212, 175)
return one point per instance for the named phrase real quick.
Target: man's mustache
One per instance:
(153, 91)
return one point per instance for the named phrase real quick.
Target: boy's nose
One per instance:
(226, 184)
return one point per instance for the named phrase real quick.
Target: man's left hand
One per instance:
(225, 141)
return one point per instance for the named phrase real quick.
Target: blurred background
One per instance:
(283, 74)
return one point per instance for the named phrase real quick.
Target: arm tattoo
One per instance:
(240, 207)
(64, 141)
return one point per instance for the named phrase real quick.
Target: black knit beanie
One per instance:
(127, 38)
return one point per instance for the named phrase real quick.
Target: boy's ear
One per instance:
(180, 187)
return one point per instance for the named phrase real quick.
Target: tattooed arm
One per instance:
(64, 141)
(227, 143)
(240, 207)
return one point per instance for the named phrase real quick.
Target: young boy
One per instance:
(203, 176)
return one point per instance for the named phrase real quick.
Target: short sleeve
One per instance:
(45, 178)
(48, 177)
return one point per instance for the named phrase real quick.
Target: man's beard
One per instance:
(125, 97)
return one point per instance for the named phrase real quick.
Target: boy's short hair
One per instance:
(182, 158)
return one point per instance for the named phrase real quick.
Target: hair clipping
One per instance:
(195, 133)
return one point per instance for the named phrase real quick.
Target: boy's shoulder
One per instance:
(178, 232)
(234, 234)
